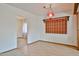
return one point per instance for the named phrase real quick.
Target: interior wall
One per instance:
(8, 26)
(33, 29)
(69, 38)
(36, 30)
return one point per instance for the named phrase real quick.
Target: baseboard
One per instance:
(8, 50)
(20, 38)
(33, 42)
(71, 46)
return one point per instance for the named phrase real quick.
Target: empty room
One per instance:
(39, 29)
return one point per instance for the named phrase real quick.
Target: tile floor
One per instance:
(42, 49)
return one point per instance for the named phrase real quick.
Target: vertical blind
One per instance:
(56, 25)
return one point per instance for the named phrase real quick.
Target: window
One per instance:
(25, 28)
(56, 25)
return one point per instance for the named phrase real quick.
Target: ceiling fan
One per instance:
(49, 7)
(50, 12)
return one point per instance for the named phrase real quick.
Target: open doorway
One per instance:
(25, 30)
(21, 32)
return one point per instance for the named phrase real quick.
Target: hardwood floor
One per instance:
(42, 49)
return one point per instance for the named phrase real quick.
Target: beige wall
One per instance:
(8, 26)
(69, 38)
(36, 30)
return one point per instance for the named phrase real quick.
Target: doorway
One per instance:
(21, 32)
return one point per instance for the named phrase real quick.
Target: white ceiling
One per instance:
(37, 8)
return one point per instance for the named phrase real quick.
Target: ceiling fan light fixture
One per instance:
(50, 12)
